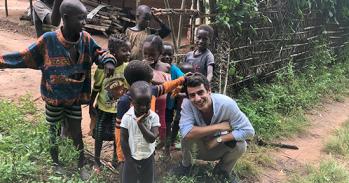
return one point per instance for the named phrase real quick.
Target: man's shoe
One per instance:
(182, 170)
(84, 175)
(58, 169)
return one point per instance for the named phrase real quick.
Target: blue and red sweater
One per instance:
(64, 82)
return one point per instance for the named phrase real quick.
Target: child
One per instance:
(139, 129)
(65, 58)
(152, 49)
(138, 33)
(109, 90)
(167, 58)
(46, 15)
(185, 68)
(139, 71)
(201, 58)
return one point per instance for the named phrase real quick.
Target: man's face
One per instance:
(167, 55)
(200, 97)
(202, 39)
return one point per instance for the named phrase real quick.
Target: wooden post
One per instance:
(179, 36)
(6, 8)
(167, 5)
(31, 6)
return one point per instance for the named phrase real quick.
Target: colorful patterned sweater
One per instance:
(64, 82)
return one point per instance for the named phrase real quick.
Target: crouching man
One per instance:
(215, 124)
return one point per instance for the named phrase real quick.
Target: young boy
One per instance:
(167, 58)
(65, 58)
(109, 90)
(201, 58)
(139, 71)
(138, 33)
(139, 129)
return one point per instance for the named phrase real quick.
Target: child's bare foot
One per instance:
(96, 169)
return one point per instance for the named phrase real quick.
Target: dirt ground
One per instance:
(16, 35)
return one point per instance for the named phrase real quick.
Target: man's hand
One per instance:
(212, 143)
(109, 69)
(224, 126)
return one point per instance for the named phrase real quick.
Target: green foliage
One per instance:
(339, 143)
(233, 13)
(330, 171)
(24, 144)
(276, 109)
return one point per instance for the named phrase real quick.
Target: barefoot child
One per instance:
(139, 129)
(138, 33)
(65, 58)
(109, 90)
(152, 49)
(201, 58)
(167, 58)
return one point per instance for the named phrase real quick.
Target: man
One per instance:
(215, 123)
(46, 15)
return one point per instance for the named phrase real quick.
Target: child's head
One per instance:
(138, 71)
(152, 49)
(167, 54)
(73, 14)
(204, 36)
(186, 67)
(140, 92)
(120, 47)
(143, 16)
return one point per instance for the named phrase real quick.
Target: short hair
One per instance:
(168, 44)
(206, 28)
(138, 71)
(116, 41)
(143, 86)
(143, 8)
(186, 67)
(196, 79)
(71, 7)
(155, 41)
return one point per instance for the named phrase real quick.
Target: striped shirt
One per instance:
(64, 81)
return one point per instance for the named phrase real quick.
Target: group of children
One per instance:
(133, 102)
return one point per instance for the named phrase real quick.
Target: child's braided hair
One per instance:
(115, 41)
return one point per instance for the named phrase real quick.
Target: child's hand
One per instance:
(109, 69)
(92, 111)
(141, 118)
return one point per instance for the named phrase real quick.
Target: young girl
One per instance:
(138, 33)
(152, 49)
(109, 90)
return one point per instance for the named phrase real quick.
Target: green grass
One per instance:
(329, 171)
(24, 147)
(338, 144)
(277, 109)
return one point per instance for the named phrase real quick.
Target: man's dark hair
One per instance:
(141, 86)
(138, 71)
(207, 28)
(197, 79)
(155, 41)
(116, 41)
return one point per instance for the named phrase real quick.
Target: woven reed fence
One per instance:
(260, 53)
